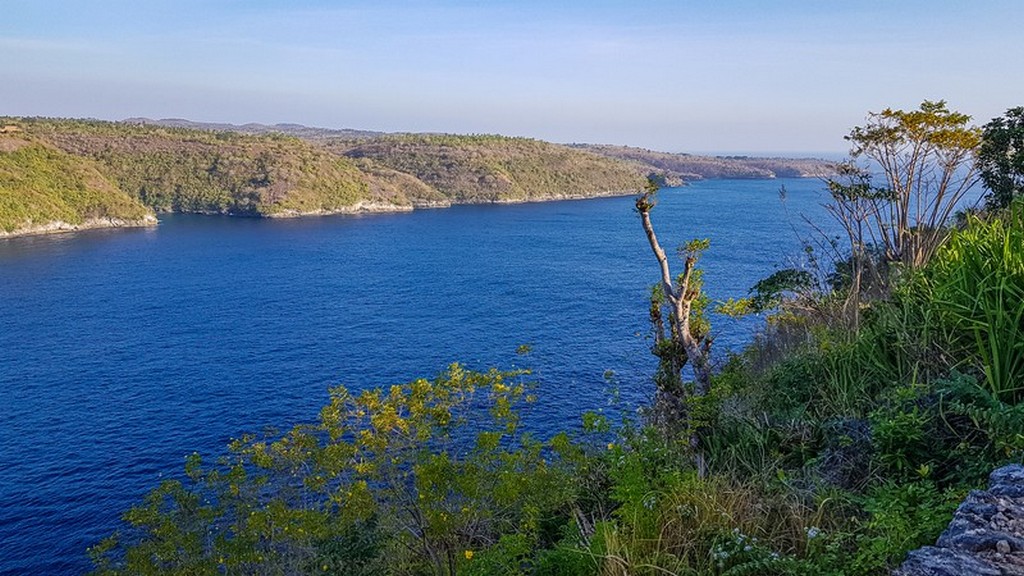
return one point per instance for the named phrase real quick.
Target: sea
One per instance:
(123, 351)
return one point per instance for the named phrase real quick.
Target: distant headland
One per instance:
(71, 174)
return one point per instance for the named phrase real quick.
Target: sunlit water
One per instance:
(123, 351)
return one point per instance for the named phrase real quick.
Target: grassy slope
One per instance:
(41, 185)
(470, 169)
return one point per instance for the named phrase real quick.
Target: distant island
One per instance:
(72, 174)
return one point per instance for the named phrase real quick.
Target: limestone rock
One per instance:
(985, 537)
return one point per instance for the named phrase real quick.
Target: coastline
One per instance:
(61, 227)
(357, 209)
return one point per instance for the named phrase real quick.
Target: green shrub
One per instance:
(427, 477)
(978, 279)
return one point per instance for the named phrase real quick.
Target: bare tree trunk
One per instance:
(681, 297)
(681, 300)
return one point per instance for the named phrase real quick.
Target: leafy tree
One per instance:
(926, 160)
(416, 479)
(925, 156)
(770, 292)
(1001, 158)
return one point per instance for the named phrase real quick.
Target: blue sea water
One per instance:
(123, 351)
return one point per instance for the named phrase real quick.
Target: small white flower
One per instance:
(813, 532)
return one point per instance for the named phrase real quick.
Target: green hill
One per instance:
(198, 171)
(251, 170)
(480, 169)
(43, 189)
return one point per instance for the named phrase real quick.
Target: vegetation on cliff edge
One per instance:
(829, 447)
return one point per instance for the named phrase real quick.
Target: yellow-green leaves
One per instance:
(423, 471)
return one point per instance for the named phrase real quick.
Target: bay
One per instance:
(123, 351)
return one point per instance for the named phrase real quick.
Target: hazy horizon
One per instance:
(669, 76)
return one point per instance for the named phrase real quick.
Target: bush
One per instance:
(978, 279)
(427, 477)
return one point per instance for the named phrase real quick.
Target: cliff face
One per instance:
(986, 536)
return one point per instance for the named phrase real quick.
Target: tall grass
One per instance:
(978, 281)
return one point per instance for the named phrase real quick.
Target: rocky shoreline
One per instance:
(61, 227)
(364, 207)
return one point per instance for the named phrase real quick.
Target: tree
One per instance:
(687, 338)
(1001, 158)
(926, 160)
(414, 479)
(925, 157)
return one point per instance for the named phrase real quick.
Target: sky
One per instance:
(677, 76)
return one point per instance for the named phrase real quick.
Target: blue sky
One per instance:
(682, 76)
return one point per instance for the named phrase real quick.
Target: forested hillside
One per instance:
(194, 171)
(677, 167)
(189, 170)
(290, 170)
(44, 189)
(475, 169)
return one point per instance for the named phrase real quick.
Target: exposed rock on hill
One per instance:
(986, 536)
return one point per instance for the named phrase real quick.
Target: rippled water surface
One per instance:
(123, 351)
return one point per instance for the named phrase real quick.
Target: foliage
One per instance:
(1001, 158)
(218, 172)
(996, 428)
(486, 168)
(926, 160)
(978, 281)
(427, 477)
(187, 170)
(898, 419)
(827, 447)
(769, 293)
(40, 185)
